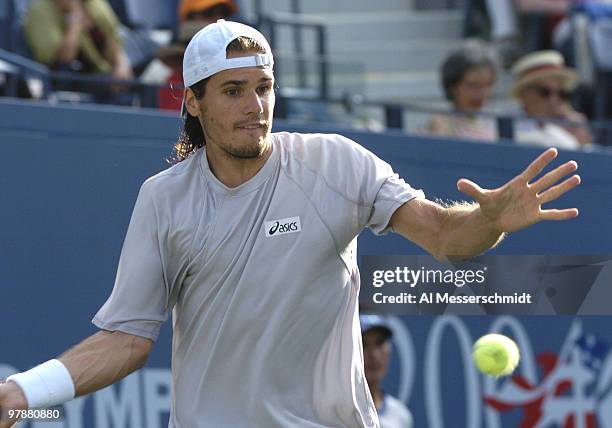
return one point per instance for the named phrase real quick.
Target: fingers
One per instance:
(565, 214)
(558, 190)
(553, 176)
(539, 164)
(470, 188)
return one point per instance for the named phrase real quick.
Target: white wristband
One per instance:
(45, 385)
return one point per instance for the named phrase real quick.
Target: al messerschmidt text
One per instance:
(496, 298)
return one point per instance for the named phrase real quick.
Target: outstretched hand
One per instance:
(518, 203)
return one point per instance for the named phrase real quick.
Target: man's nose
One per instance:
(254, 103)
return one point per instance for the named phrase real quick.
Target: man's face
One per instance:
(543, 98)
(236, 110)
(376, 353)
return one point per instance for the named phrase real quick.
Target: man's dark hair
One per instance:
(474, 54)
(192, 136)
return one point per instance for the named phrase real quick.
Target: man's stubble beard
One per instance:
(248, 151)
(243, 152)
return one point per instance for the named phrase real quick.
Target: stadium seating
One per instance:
(314, 69)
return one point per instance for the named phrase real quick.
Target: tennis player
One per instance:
(250, 241)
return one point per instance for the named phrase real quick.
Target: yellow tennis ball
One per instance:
(495, 355)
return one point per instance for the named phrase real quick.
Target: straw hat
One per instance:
(539, 65)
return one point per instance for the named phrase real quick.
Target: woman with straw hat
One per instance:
(542, 85)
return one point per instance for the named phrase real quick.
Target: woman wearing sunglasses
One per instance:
(542, 86)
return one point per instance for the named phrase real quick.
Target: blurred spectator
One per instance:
(376, 336)
(517, 23)
(504, 30)
(77, 35)
(542, 85)
(170, 97)
(505, 23)
(206, 11)
(546, 16)
(468, 76)
(193, 16)
(575, 37)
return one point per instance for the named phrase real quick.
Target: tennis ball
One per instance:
(495, 355)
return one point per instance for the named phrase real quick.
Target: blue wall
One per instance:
(70, 177)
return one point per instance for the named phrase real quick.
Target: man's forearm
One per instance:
(103, 359)
(465, 232)
(98, 361)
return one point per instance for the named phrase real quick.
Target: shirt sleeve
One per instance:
(106, 20)
(393, 193)
(365, 189)
(43, 32)
(379, 190)
(140, 300)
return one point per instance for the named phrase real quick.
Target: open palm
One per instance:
(518, 203)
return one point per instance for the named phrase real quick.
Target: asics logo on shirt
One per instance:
(282, 226)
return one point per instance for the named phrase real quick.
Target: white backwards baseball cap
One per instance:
(206, 55)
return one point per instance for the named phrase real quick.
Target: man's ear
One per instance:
(191, 103)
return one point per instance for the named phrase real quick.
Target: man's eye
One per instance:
(232, 92)
(264, 89)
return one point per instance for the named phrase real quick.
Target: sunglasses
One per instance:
(545, 92)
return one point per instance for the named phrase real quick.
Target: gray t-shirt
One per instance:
(263, 283)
